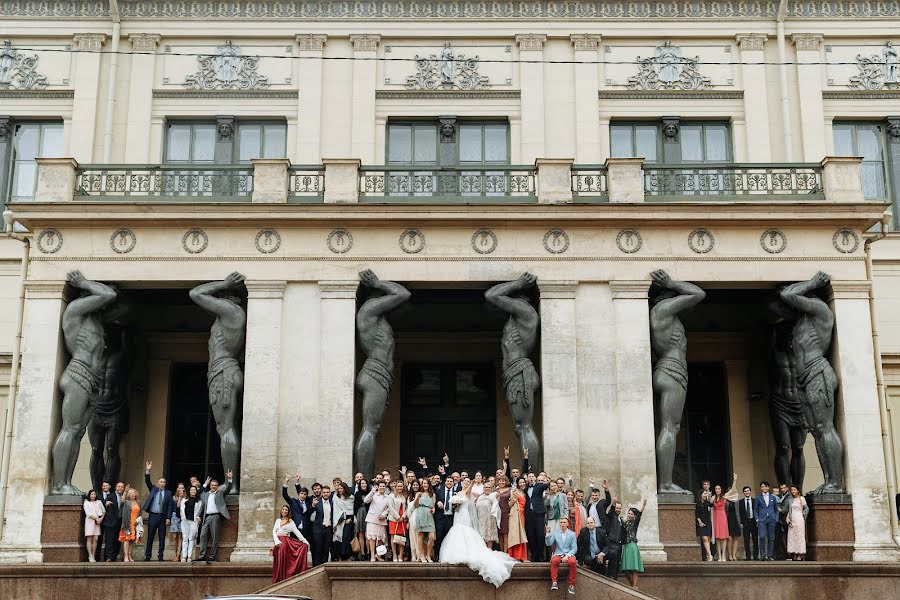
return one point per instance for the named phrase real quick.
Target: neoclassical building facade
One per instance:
(449, 147)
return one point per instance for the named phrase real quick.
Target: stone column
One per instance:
(7, 133)
(756, 105)
(858, 420)
(85, 81)
(259, 424)
(812, 109)
(140, 98)
(587, 107)
(637, 437)
(309, 102)
(363, 105)
(531, 82)
(559, 378)
(34, 427)
(337, 372)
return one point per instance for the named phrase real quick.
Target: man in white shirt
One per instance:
(214, 512)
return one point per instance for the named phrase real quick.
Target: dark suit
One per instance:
(322, 530)
(442, 522)
(157, 521)
(749, 527)
(766, 518)
(781, 529)
(213, 522)
(299, 509)
(534, 521)
(109, 527)
(583, 554)
(616, 534)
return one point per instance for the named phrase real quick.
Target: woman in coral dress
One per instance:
(131, 512)
(720, 518)
(518, 542)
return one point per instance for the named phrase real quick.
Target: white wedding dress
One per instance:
(463, 546)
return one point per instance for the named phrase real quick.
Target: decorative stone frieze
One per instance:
(311, 42)
(531, 42)
(18, 70)
(365, 42)
(89, 41)
(807, 42)
(585, 41)
(877, 71)
(751, 42)
(227, 69)
(667, 69)
(144, 42)
(447, 71)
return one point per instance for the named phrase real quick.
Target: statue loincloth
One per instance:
(378, 371)
(520, 380)
(674, 368)
(221, 379)
(85, 377)
(817, 379)
(789, 411)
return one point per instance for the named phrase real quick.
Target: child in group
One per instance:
(631, 563)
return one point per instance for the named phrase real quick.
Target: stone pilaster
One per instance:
(6, 144)
(365, 49)
(309, 102)
(756, 104)
(35, 423)
(809, 81)
(337, 372)
(857, 418)
(587, 109)
(85, 81)
(559, 378)
(140, 98)
(634, 392)
(259, 443)
(531, 82)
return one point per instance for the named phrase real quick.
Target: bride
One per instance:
(463, 546)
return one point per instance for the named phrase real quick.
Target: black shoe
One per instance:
(201, 558)
(159, 559)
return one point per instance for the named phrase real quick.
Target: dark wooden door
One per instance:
(449, 408)
(192, 445)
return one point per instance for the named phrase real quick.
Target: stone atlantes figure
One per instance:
(670, 376)
(815, 377)
(224, 377)
(377, 373)
(786, 410)
(109, 422)
(518, 341)
(82, 325)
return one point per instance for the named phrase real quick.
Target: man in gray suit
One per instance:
(214, 512)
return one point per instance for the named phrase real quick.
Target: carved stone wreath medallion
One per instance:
(556, 241)
(484, 241)
(412, 241)
(267, 241)
(701, 240)
(773, 241)
(50, 241)
(194, 241)
(122, 241)
(629, 241)
(339, 241)
(845, 241)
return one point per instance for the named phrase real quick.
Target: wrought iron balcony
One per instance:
(733, 182)
(589, 183)
(306, 183)
(500, 184)
(213, 183)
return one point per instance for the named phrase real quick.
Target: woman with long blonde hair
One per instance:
(131, 512)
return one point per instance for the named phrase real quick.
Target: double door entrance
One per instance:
(449, 408)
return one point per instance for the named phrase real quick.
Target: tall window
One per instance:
(476, 144)
(865, 140)
(193, 143)
(32, 140)
(696, 141)
(260, 140)
(412, 144)
(483, 144)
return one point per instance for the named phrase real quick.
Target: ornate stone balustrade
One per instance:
(733, 181)
(306, 183)
(499, 183)
(589, 183)
(169, 182)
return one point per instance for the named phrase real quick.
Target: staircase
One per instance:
(417, 581)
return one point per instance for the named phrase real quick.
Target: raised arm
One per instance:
(795, 295)
(394, 294)
(688, 294)
(501, 295)
(205, 297)
(101, 295)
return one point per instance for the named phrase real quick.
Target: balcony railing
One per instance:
(502, 183)
(211, 183)
(733, 182)
(306, 183)
(589, 183)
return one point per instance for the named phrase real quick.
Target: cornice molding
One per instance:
(670, 95)
(365, 42)
(45, 290)
(38, 94)
(861, 95)
(447, 94)
(850, 290)
(748, 42)
(809, 42)
(585, 41)
(311, 42)
(265, 289)
(557, 290)
(224, 94)
(89, 41)
(338, 290)
(144, 42)
(531, 42)
(630, 289)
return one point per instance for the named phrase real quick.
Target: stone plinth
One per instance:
(842, 179)
(62, 530)
(554, 180)
(56, 179)
(341, 180)
(829, 530)
(677, 531)
(270, 180)
(624, 179)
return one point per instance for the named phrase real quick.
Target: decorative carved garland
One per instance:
(412, 241)
(484, 241)
(773, 241)
(339, 241)
(52, 237)
(556, 241)
(264, 237)
(701, 240)
(629, 241)
(122, 241)
(196, 235)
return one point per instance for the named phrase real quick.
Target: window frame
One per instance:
(235, 142)
(702, 123)
(7, 194)
(885, 152)
(236, 149)
(458, 164)
(190, 161)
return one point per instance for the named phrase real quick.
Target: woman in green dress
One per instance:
(631, 563)
(423, 517)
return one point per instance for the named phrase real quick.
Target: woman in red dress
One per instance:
(720, 518)
(289, 554)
